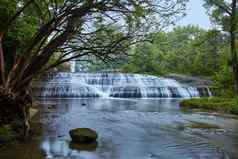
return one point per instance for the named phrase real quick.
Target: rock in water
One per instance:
(83, 135)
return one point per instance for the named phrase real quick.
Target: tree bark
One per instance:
(2, 69)
(233, 45)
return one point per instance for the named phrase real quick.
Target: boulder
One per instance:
(83, 135)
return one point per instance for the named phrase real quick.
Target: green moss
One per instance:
(215, 104)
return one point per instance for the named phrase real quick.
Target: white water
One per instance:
(72, 66)
(116, 85)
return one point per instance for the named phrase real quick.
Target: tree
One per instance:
(144, 58)
(184, 50)
(224, 13)
(71, 29)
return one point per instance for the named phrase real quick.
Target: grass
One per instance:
(214, 104)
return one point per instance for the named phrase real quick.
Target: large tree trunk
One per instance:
(2, 69)
(234, 62)
(233, 45)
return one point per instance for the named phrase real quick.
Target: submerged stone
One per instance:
(83, 135)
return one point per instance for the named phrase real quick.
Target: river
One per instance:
(129, 129)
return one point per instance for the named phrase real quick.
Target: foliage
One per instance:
(185, 50)
(145, 59)
(219, 12)
(224, 80)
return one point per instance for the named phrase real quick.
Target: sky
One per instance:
(196, 15)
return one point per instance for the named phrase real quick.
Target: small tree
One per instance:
(224, 13)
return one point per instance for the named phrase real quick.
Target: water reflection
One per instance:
(83, 147)
(114, 105)
(135, 129)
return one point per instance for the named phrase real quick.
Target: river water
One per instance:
(129, 129)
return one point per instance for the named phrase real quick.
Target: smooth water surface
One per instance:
(130, 129)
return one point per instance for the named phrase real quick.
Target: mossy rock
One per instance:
(83, 135)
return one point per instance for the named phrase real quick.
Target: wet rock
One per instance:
(83, 135)
(83, 147)
(51, 106)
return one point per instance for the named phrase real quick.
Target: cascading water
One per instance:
(117, 85)
(72, 66)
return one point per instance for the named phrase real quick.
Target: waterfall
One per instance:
(72, 66)
(114, 85)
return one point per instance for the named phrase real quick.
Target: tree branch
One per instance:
(223, 6)
(18, 13)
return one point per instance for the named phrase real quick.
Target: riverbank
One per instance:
(214, 104)
(9, 134)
